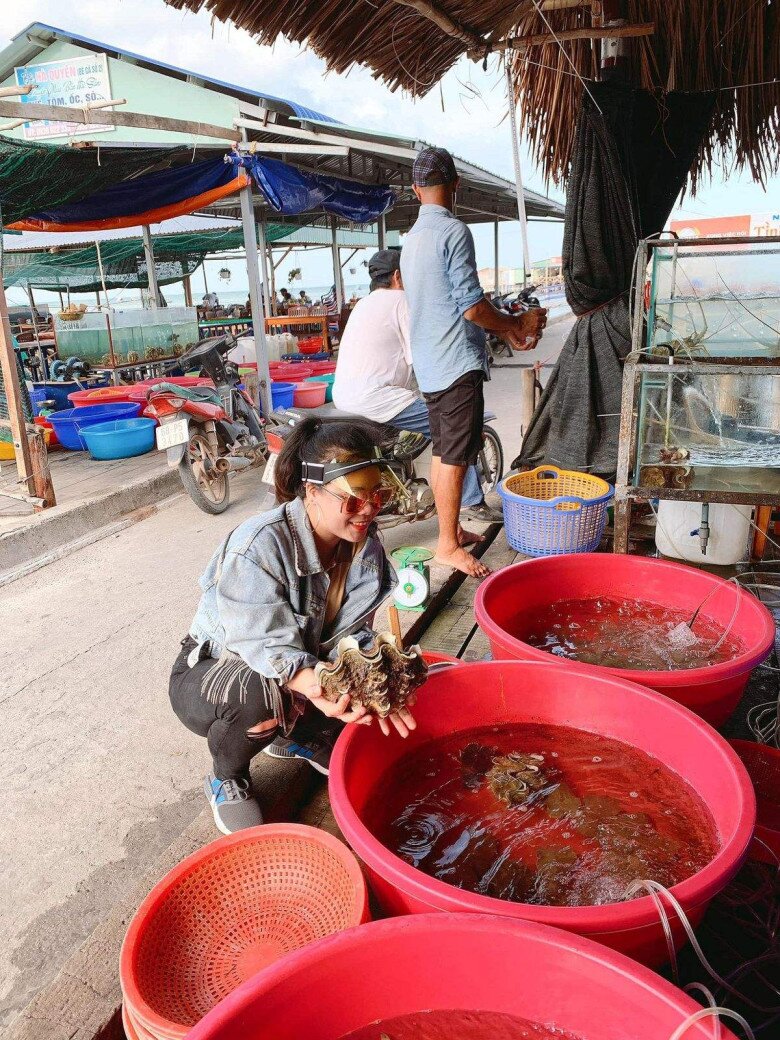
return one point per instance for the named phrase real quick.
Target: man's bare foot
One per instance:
(463, 561)
(469, 537)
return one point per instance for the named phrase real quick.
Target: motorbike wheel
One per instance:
(212, 495)
(490, 461)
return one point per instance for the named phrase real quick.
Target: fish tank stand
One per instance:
(700, 409)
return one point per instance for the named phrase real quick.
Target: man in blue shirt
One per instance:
(448, 314)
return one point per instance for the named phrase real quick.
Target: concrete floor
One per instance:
(99, 777)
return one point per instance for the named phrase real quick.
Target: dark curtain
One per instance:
(629, 164)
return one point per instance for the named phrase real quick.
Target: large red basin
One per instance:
(494, 693)
(459, 961)
(713, 693)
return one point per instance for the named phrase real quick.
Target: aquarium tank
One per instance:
(715, 301)
(135, 336)
(709, 428)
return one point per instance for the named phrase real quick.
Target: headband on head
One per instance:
(324, 472)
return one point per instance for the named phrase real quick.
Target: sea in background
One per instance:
(130, 299)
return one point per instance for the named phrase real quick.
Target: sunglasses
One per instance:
(351, 504)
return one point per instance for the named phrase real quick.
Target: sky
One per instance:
(467, 114)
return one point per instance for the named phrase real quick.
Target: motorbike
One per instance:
(510, 303)
(208, 432)
(409, 454)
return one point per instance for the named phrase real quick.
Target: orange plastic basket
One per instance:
(763, 765)
(227, 912)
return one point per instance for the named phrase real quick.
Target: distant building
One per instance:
(506, 278)
(765, 225)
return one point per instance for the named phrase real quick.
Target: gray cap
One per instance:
(386, 261)
(433, 166)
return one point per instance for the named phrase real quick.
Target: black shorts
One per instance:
(457, 415)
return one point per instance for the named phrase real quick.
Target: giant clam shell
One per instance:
(382, 679)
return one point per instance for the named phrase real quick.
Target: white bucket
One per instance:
(677, 532)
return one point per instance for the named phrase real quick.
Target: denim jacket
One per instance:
(265, 591)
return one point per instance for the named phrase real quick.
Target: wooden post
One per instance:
(527, 398)
(495, 256)
(43, 487)
(263, 256)
(13, 394)
(102, 276)
(36, 331)
(255, 296)
(337, 266)
(187, 291)
(272, 273)
(382, 228)
(510, 94)
(151, 270)
(761, 532)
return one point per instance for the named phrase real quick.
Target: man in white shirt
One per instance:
(374, 375)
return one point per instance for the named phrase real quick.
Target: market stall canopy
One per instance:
(123, 260)
(700, 45)
(163, 194)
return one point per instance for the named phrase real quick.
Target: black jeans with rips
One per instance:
(224, 723)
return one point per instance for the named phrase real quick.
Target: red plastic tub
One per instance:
(101, 395)
(494, 693)
(453, 962)
(439, 657)
(290, 371)
(310, 395)
(322, 368)
(763, 765)
(713, 693)
(310, 345)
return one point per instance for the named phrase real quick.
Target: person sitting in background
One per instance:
(374, 376)
(277, 596)
(286, 300)
(305, 301)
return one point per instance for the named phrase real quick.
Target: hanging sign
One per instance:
(68, 83)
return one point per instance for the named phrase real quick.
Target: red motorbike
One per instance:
(208, 432)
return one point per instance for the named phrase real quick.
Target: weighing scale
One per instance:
(414, 577)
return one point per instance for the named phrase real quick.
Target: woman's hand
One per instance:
(305, 683)
(402, 720)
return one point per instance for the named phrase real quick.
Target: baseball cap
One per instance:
(386, 261)
(433, 166)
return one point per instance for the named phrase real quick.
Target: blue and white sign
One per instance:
(69, 83)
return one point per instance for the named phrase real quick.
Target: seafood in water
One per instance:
(382, 679)
(543, 815)
(515, 777)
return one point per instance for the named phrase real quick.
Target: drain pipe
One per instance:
(704, 527)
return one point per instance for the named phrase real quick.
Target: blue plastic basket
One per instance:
(120, 438)
(69, 423)
(550, 511)
(282, 395)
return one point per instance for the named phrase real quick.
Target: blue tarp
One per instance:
(167, 193)
(292, 191)
(151, 191)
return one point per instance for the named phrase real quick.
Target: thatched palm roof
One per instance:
(695, 45)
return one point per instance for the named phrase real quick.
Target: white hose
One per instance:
(651, 887)
(711, 1001)
(711, 1012)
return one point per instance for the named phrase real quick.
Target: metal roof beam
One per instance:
(307, 135)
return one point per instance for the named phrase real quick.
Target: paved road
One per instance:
(98, 775)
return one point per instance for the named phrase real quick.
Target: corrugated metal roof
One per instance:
(13, 55)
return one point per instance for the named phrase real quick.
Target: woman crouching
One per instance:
(278, 595)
